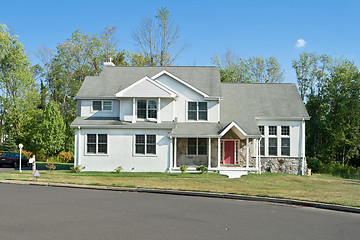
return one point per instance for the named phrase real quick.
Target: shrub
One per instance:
(315, 165)
(118, 169)
(50, 166)
(65, 157)
(202, 169)
(26, 154)
(183, 168)
(40, 157)
(77, 169)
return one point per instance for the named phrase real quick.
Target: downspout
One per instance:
(303, 147)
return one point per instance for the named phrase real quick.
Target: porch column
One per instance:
(133, 116)
(219, 153)
(209, 155)
(158, 111)
(247, 153)
(120, 110)
(175, 147)
(257, 153)
(171, 154)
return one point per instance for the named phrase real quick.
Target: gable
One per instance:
(147, 88)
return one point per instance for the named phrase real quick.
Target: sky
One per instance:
(276, 28)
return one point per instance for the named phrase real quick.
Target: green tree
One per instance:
(51, 132)
(156, 38)
(251, 70)
(9, 145)
(18, 91)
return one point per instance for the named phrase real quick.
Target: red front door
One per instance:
(229, 157)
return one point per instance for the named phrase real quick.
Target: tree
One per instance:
(9, 145)
(156, 38)
(51, 132)
(251, 70)
(17, 87)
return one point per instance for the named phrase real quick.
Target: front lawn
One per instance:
(317, 188)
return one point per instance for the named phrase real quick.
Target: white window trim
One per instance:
(102, 106)
(147, 110)
(197, 148)
(197, 112)
(97, 154)
(145, 154)
(266, 137)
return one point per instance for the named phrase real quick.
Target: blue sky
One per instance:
(249, 28)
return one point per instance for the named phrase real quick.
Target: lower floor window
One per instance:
(145, 144)
(262, 147)
(197, 146)
(273, 146)
(96, 143)
(285, 146)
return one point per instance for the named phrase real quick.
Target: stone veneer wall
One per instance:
(191, 160)
(289, 165)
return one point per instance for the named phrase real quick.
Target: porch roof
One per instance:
(196, 129)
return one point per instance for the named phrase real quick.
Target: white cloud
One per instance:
(300, 43)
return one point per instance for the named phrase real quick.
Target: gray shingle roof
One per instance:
(114, 79)
(115, 123)
(196, 129)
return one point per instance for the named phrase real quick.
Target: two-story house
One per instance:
(155, 119)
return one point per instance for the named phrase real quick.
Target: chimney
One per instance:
(109, 64)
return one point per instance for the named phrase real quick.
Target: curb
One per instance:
(194, 194)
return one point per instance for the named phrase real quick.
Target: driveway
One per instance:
(37, 212)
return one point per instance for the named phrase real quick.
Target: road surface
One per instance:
(38, 212)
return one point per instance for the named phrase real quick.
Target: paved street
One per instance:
(37, 212)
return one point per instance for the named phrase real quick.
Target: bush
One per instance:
(183, 168)
(26, 154)
(118, 169)
(315, 165)
(65, 157)
(50, 166)
(202, 169)
(77, 169)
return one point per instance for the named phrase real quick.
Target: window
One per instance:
(147, 109)
(197, 146)
(96, 143)
(102, 105)
(197, 111)
(262, 147)
(145, 144)
(285, 130)
(273, 146)
(262, 130)
(272, 130)
(285, 146)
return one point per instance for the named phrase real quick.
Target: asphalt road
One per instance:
(37, 212)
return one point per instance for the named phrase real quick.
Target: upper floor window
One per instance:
(285, 130)
(262, 130)
(96, 143)
(102, 105)
(197, 111)
(147, 109)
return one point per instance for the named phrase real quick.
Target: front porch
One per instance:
(231, 153)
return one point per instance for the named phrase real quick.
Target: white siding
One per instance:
(86, 109)
(121, 152)
(295, 136)
(186, 94)
(145, 89)
(126, 109)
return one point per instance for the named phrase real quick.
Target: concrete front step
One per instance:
(233, 173)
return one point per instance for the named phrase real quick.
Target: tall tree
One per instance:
(156, 38)
(251, 70)
(18, 91)
(51, 132)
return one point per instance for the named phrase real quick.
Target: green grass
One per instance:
(317, 188)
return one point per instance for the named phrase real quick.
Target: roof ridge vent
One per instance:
(109, 63)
